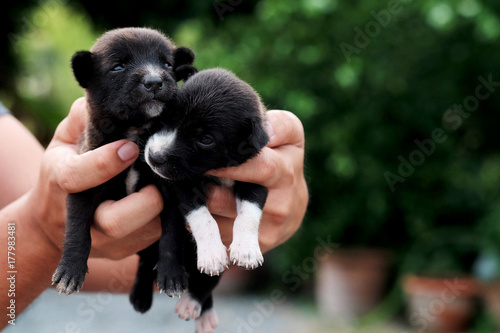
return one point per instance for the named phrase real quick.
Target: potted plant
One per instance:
(350, 282)
(441, 292)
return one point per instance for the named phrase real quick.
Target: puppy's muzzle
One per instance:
(152, 83)
(156, 160)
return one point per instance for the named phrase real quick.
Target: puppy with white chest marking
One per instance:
(219, 123)
(130, 78)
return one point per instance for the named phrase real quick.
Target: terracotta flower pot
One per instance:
(349, 283)
(491, 295)
(441, 304)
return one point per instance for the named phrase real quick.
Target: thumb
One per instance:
(286, 129)
(81, 172)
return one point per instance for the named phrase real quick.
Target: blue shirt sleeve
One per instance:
(3, 110)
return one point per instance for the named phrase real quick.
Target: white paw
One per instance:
(207, 323)
(212, 258)
(187, 307)
(246, 254)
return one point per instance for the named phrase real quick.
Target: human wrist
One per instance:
(32, 227)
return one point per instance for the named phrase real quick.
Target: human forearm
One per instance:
(20, 156)
(32, 256)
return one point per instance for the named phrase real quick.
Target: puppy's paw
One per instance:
(141, 296)
(69, 278)
(212, 259)
(207, 323)
(246, 254)
(187, 307)
(171, 280)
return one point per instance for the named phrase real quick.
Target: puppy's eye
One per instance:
(167, 64)
(206, 141)
(117, 68)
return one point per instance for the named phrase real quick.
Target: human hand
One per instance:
(122, 227)
(280, 168)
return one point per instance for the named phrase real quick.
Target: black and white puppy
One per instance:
(219, 123)
(130, 78)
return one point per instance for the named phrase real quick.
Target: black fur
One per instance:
(130, 79)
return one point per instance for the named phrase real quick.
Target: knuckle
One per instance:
(152, 197)
(157, 203)
(279, 214)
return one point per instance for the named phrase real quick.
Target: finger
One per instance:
(80, 172)
(120, 218)
(71, 128)
(264, 169)
(221, 201)
(116, 249)
(287, 129)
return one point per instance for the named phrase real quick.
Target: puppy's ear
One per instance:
(83, 67)
(183, 63)
(184, 72)
(183, 56)
(259, 138)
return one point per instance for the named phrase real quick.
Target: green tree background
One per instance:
(367, 78)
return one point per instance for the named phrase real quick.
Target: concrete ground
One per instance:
(99, 312)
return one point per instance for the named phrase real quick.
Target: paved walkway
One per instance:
(110, 313)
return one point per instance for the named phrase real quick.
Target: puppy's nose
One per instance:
(152, 83)
(157, 159)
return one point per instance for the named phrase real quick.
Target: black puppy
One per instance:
(130, 78)
(219, 123)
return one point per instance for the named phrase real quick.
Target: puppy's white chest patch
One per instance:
(131, 180)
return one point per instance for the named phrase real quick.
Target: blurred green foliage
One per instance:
(407, 64)
(45, 81)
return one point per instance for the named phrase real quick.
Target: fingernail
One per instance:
(128, 151)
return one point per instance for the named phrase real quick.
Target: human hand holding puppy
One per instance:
(280, 168)
(120, 228)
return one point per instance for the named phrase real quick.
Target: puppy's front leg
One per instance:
(72, 268)
(141, 295)
(171, 278)
(211, 253)
(245, 249)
